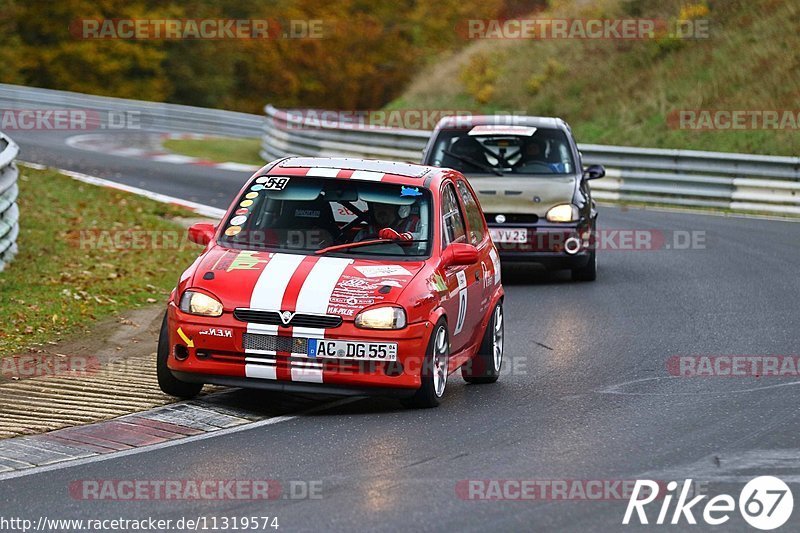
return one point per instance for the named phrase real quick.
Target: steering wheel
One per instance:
(524, 167)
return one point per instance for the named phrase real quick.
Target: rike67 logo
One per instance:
(765, 503)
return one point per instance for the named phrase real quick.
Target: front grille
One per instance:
(300, 320)
(274, 343)
(513, 218)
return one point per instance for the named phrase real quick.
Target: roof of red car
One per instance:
(367, 169)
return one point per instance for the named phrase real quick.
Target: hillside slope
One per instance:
(624, 92)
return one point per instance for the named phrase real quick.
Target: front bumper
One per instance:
(546, 245)
(216, 354)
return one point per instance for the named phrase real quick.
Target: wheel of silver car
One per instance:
(441, 354)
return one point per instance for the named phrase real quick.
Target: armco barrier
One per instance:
(717, 180)
(150, 116)
(737, 182)
(9, 211)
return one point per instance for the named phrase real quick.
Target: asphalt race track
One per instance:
(585, 395)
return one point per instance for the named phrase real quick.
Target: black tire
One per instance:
(485, 366)
(427, 395)
(169, 383)
(588, 272)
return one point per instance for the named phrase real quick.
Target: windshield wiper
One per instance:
(474, 163)
(359, 244)
(351, 245)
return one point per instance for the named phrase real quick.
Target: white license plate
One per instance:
(509, 234)
(359, 351)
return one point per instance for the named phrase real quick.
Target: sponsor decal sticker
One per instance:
(383, 270)
(496, 264)
(357, 283)
(438, 283)
(217, 332)
(238, 220)
(409, 191)
(186, 339)
(239, 260)
(246, 203)
(233, 230)
(341, 311)
(462, 301)
(246, 260)
(502, 130)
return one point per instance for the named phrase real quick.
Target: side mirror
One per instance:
(458, 254)
(201, 233)
(594, 172)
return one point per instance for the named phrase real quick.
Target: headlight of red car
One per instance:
(387, 317)
(198, 303)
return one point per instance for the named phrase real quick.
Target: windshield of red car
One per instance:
(305, 214)
(537, 152)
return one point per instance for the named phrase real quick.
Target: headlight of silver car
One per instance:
(197, 303)
(562, 213)
(388, 317)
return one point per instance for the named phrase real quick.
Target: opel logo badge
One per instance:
(500, 219)
(286, 317)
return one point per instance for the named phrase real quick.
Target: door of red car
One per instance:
(478, 236)
(464, 282)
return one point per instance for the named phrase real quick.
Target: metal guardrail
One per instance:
(717, 180)
(9, 211)
(152, 116)
(738, 182)
(289, 133)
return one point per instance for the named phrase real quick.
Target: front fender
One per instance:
(497, 296)
(436, 314)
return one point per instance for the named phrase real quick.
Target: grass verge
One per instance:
(219, 149)
(85, 253)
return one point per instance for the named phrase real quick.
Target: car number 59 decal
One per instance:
(271, 183)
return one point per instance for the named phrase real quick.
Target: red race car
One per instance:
(341, 276)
